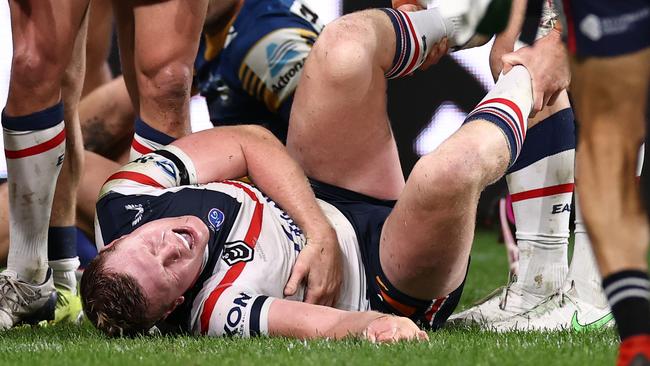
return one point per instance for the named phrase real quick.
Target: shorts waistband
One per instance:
(328, 192)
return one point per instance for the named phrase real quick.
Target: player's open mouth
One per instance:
(186, 237)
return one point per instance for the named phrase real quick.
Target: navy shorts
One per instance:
(606, 28)
(367, 216)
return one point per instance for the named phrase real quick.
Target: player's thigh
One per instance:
(177, 22)
(426, 240)
(44, 32)
(46, 28)
(610, 96)
(339, 129)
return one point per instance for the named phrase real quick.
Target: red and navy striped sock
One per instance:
(34, 149)
(507, 106)
(415, 34)
(147, 139)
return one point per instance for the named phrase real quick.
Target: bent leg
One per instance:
(339, 129)
(426, 240)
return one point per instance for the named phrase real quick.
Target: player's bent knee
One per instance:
(34, 72)
(343, 52)
(168, 84)
(444, 178)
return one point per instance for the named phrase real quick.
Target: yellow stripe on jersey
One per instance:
(246, 78)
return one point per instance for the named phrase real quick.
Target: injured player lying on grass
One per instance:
(192, 250)
(214, 258)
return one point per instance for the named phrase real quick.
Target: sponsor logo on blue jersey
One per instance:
(280, 55)
(216, 218)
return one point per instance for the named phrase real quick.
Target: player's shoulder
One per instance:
(263, 22)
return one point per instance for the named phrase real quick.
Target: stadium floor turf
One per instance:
(69, 345)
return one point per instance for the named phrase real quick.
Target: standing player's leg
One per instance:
(44, 33)
(541, 185)
(611, 109)
(98, 45)
(62, 234)
(5, 72)
(162, 71)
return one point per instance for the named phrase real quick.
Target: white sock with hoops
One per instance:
(34, 149)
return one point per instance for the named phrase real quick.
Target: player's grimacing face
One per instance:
(164, 256)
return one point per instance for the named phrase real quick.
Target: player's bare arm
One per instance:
(254, 152)
(301, 320)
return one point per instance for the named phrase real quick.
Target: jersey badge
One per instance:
(216, 218)
(236, 252)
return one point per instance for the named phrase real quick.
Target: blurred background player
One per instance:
(605, 38)
(46, 73)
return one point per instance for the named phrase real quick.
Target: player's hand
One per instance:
(320, 266)
(439, 49)
(407, 5)
(391, 329)
(548, 65)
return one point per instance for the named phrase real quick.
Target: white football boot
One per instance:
(501, 304)
(561, 311)
(22, 302)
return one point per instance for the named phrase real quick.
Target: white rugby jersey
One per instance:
(252, 247)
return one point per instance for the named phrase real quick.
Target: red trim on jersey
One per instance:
(137, 146)
(512, 106)
(416, 43)
(253, 233)
(135, 177)
(37, 149)
(542, 192)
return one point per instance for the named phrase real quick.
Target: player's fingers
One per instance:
(297, 276)
(388, 336)
(538, 102)
(409, 7)
(422, 336)
(554, 97)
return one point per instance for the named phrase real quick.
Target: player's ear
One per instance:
(173, 306)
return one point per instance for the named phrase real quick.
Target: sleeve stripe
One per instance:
(135, 177)
(256, 310)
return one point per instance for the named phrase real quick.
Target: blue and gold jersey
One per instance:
(250, 74)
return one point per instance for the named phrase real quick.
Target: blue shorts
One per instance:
(606, 28)
(367, 216)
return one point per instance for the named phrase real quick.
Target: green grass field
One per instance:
(67, 345)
